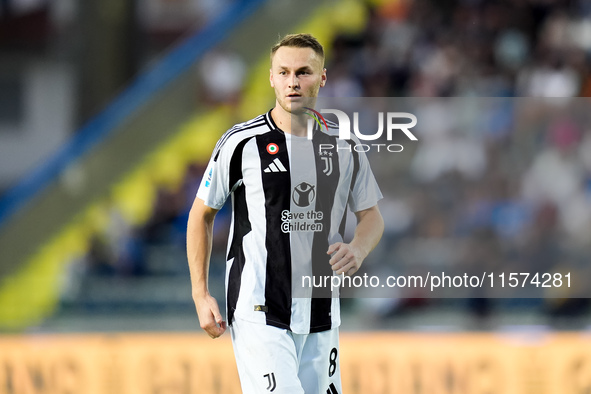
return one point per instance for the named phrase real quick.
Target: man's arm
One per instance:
(199, 241)
(347, 258)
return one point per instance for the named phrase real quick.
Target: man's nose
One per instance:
(294, 81)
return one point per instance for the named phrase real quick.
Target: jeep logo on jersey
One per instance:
(303, 194)
(345, 125)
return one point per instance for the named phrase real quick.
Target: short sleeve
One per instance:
(215, 186)
(365, 192)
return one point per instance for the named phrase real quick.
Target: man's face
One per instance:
(296, 74)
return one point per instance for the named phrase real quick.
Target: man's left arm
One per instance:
(347, 258)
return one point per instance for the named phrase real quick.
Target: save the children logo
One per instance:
(298, 220)
(303, 194)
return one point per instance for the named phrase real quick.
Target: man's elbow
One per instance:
(201, 213)
(372, 214)
(377, 219)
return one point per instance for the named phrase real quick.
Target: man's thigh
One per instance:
(266, 357)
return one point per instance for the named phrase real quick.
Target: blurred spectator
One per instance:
(557, 176)
(222, 74)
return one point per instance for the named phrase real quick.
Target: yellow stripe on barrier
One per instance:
(371, 363)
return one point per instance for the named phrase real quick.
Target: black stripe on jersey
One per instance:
(277, 190)
(257, 122)
(327, 180)
(353, 180)
(242, 226)
(355, 164)
(238, 127)
(270, 121)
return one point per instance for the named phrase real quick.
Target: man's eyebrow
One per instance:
(307, 67)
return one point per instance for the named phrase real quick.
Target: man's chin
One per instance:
(299, 107)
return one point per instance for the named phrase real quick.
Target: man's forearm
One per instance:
(199, 243)
(369, 230)
(347, 258)
(199, 240)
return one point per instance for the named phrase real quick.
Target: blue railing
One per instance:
(136, 95)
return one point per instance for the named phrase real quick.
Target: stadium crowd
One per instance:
(513, 195)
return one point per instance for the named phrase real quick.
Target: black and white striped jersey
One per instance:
(289, 201)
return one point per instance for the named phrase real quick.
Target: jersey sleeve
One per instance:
(215, 186)
(365, 192)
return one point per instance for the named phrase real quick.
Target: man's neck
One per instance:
(292, 124)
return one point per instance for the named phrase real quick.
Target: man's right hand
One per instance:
(210, 318)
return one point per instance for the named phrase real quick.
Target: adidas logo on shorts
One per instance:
(275, 166)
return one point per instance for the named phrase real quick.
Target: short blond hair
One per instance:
(300, 40)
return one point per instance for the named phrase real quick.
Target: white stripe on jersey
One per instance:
(252, 289)
(303, 169)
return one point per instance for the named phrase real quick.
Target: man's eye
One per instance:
(282, 73)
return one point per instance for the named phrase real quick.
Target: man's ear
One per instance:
(271, 78)
(323, 81)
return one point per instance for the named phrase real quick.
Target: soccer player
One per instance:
(289, 199)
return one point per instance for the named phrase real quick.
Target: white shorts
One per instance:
(272, 359)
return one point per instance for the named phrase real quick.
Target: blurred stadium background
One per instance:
(109, 110)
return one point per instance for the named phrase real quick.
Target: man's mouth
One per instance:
(292, 95)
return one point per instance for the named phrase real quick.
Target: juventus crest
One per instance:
(326, 156)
